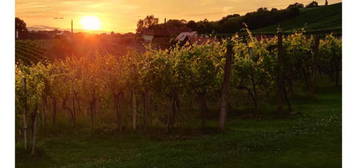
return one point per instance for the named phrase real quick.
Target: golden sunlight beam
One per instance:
(90, 23)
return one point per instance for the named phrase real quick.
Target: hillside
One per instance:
(320, 18)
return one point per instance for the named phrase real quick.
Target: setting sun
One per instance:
(90, 23)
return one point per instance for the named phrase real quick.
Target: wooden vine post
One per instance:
(225, 85)
(133, 97)
(282, 92)
(314, 62)
(34, 128)
(24, 114)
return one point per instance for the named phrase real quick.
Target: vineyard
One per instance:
(185, 87)
(29, 52)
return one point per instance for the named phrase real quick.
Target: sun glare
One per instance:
(90, 23)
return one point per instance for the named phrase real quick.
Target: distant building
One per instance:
(193, 37)
(161, 37)
(148, 38)
(185, 37)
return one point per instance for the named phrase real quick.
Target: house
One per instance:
(186, 36)
(161, 36)
(148, 37)
(193, 37)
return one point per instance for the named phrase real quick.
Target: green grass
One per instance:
(320, 18)
(312, 140)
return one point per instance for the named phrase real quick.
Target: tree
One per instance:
(20, 27)
(273, 10)
(261, 10)
(175, 23)
(229, 17)
(146, 23)
(313, 4)
(296, 5)
(192, 25)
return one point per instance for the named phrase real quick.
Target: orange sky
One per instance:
(122, 15)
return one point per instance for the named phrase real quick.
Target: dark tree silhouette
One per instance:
(192, 25)
(146, 23)
(273, 10)
(20, 27)
(296, 5)
(313, 4)
(228, 24)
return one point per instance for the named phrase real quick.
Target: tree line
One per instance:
(229, 24)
